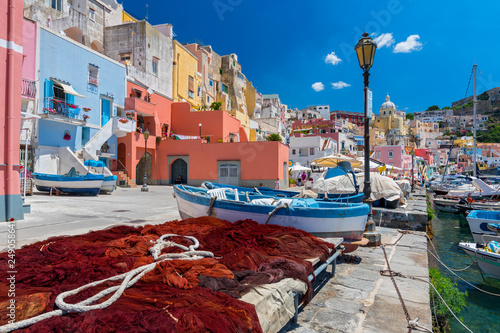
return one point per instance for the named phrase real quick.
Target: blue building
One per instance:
(82, 95)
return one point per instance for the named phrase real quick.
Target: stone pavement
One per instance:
(359, 299)
(73, 215)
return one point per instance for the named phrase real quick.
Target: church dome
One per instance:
(388, 105)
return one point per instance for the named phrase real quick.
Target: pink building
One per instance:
(426, 154)
(11, 59)
(394, 155)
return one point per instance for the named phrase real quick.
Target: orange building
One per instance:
(217, 151)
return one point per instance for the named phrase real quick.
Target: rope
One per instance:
(271, 214)
(257, 190)
(129, 279)
(437, 255)
(211, 206)
(442, 300)
(408, 318)
(470, 284)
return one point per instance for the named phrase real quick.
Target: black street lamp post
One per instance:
(412, 168)
(365, 50)
(144, 187)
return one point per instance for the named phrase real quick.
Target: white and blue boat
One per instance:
(334, 197)
(320, 218)
(486, 254)
(478, 223)
(71, 183)
(109, 183)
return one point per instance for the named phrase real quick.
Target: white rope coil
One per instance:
(129, 279)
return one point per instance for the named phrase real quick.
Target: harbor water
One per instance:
(482, 312)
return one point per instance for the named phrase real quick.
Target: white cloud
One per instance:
(384, 40)
(411, 44)
(318, 86)
(332, 59)
(340, 85)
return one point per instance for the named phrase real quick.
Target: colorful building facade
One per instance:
(11, 58)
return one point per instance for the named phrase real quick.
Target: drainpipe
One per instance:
(9, 121)
(133, 47)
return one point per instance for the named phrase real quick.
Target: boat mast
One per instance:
(474, 133)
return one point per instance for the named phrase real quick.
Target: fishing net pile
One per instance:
(177, 295)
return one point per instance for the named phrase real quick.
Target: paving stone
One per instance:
(351, 307)
(336, 321)
(355, 283)
(347, 293)
(366, 274)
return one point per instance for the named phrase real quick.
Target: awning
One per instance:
(68, 89)
(28, 116)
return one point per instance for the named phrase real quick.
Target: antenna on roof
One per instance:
(147, 11)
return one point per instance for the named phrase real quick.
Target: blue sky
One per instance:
(287, 46)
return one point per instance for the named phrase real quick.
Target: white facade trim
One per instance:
(10, 45)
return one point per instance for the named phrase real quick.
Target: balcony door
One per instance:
(105, 111)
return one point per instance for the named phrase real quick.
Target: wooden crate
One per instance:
(29, 186)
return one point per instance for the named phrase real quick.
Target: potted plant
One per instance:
(291, 182)
(86, 117)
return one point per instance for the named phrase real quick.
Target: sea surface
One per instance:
(482, 312)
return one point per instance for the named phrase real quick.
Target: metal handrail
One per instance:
(126, 170)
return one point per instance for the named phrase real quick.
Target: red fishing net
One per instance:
(177, 295)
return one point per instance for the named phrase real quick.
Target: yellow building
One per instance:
(126, 17)
(186, 79)
(390, 118)
(377, 137)
(464, 142)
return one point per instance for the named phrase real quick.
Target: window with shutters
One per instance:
(191, 87)
(154, 65)
(93, 75)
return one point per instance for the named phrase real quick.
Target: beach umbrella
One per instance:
(299, 168)
(333, 160)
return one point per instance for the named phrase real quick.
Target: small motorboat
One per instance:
(71, 183)
(320, 218)
(446, 204)
(466, 207)
(109, 184)
(486, 256)
(478, 223)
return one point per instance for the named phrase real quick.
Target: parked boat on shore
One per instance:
(320, 218)
(71, 183)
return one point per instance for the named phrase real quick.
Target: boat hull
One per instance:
(72, 185)
(488, 262)
(109, 184)
(340, 222)
(478, 223)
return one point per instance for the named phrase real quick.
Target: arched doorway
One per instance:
(122, 156)
(139, 170)
(179, 168)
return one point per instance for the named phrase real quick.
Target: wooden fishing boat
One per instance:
(487, 257)
(322, 219)
(478, 223)
(71, 183)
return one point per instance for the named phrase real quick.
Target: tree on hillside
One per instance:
(274, 137)
(433, 108)
(410, 116)
(484, 96)
(447, 108)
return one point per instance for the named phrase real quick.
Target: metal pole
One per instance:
(412, 170)
(374, 238)
(144, 184)
(25, 160)
(474, 133)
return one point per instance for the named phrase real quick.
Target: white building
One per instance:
(323, 110)
(433, 116)
(306, 149)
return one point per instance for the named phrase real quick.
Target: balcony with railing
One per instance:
(28, 89)
(142, 107)
(58, 109)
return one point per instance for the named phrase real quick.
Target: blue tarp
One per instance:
(96, 164)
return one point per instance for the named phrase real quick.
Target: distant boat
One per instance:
(71, 183)
(446, 204)
(320, 218)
